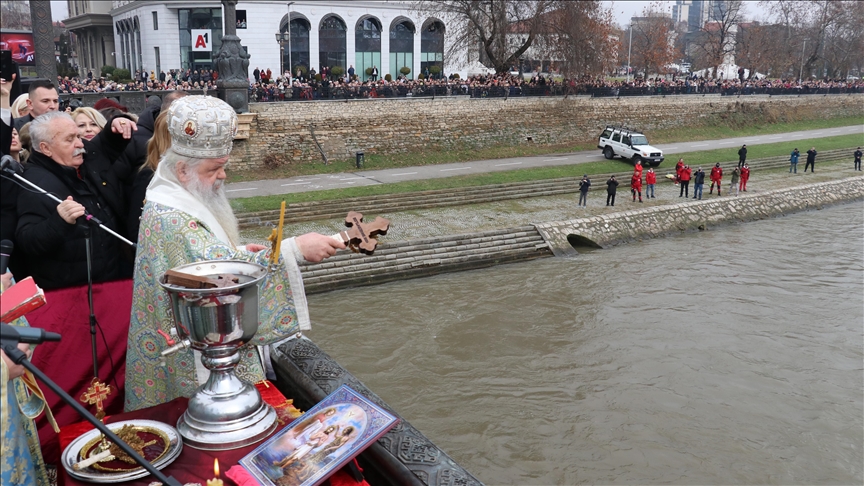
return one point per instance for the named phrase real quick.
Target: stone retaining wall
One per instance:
(417, 125)
(656, 221)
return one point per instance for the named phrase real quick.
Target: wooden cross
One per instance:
(363, 236)
(96, 394)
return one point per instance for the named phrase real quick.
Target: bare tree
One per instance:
(489, 25)
(15, 15)
(653, 40)
(716, 40)
(579, 35)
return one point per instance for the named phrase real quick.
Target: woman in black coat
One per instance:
(53, 251)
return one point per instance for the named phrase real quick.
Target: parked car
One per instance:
(629, 144)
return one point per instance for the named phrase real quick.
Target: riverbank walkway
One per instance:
(374, 177)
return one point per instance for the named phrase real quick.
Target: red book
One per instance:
(20, 299)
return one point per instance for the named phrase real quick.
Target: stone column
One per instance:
(232, 63)
(43, 38)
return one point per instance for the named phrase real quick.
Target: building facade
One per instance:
(91, 23)
(160, 35)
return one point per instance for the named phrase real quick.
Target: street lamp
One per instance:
(629, 48)
(281, 38)
(290, 65)
(801, 72)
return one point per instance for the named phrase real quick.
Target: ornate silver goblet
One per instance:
(225, 412)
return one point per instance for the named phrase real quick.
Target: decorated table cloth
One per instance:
(193, 465)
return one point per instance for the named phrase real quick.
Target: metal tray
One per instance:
(72, 454)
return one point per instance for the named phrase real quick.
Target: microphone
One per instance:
(29, 335)
(6, 247)
(8, 164)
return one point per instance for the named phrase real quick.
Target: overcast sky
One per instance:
(622, 10)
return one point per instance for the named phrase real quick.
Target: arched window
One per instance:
(367, 42)
(402, 48)
(298, 55)
(432, 46)
(332, 43)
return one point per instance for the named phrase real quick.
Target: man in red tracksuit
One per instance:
(650, 180)
(636, 186)
(678, 168)
(685, 181)
(716, 176)
(745, 176)
(638, 168)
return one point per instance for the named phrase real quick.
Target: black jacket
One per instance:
(699, 177)
(811, 156)
(135, 154)
(742, 152)
(611, 186)
(136, 202)
(52, 250)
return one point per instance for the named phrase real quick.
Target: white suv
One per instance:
(628, 144)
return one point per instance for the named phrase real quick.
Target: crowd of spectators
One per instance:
(141, 81)
(265, 87)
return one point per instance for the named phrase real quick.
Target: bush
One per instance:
(368, 71)
(455, 75)
(303, 69)
(318, 77)
(387, 77)
(435, 69)
(121, 74)
(337, 71)
(107, 70)
(405, 70)
(420, 77)
(274, 161)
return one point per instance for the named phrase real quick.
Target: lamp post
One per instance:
(629, 48)
(801, 72)
(290, 65)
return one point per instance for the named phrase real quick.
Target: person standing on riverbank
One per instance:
(698, 183)
(584, 184)
(745, 176)
(716, 178)
(734, 184)
(611, 188)
(793, 161)
(684, 178)
(858, 159)
(650, 180)
(636, 186)
(742, 156)
(678, 168)
(811, 160)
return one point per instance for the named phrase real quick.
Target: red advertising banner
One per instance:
(21, 45)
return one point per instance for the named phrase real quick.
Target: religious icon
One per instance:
(190, 128)
(321, 441)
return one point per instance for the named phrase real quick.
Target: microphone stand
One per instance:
(18, 357)
(87, 216)
(90, 302)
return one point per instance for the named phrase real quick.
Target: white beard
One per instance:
(214, 198)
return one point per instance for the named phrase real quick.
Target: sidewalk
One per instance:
(375, 177)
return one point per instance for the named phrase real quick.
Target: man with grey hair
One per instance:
(50, 238)
(186, 219)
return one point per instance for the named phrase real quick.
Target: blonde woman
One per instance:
(90, 122)
(19, 107)
(156, 148)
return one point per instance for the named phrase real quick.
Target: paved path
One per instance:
(373, 177)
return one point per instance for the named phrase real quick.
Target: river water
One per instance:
(731, 356)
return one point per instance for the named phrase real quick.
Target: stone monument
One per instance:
(43, 38)
(232, 63)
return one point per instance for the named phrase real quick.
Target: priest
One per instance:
(187, 218)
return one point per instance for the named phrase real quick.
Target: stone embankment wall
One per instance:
(656, 221)
(421, 124)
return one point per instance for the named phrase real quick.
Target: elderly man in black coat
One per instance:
(50, 238)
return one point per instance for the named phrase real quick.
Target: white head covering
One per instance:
(202, 127)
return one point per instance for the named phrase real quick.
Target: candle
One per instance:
(215, 481)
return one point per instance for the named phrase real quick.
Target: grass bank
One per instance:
(435, 157)
(703, 158)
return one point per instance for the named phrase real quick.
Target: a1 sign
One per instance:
(202, 40)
